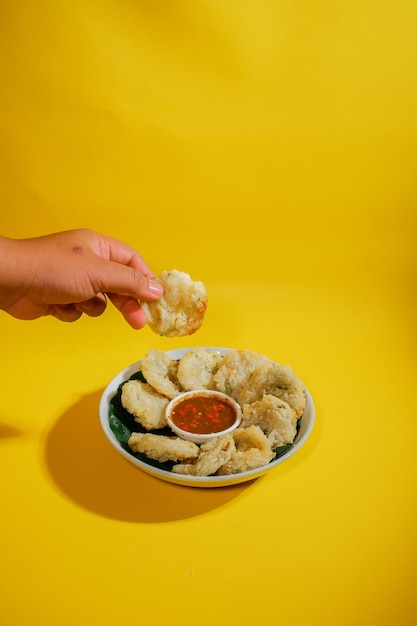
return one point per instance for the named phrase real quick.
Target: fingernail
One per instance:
(155, 288)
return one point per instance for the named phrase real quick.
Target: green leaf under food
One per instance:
(119, 430)
(281, 450)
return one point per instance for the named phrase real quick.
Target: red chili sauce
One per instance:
(203, 414)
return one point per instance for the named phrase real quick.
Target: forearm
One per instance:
(16, 270)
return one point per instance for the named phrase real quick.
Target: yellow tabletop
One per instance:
(269, 150)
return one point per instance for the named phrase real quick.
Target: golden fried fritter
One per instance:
(235, 370)
(160, 371)
(161, 448)
(146, 404)
(180, 311)
(277, 380)
(197, 367)
(274, 417)
(213, 454)
(253, 450)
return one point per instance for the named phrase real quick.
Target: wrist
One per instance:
(14, 270)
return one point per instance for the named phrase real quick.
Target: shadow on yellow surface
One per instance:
(8, 432)
(83, 465)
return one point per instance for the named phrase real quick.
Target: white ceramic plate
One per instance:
(305, 427)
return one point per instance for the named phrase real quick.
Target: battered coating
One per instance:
(145, 404)
(235, 370)
(213, 454)
(275, 379)
(271, 396)
(253, 450)
(161, 448)
(180, 311)
(274, 417)
(197, 368)
(161, 371)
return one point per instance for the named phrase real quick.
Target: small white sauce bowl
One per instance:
(202, 437)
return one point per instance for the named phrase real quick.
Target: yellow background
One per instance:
(269, 149)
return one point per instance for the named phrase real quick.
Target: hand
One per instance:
(70, 273)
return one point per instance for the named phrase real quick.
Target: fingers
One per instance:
(125, 299)
(154, 290)
(129, 307)
(72, 312)
(125, 280)
(64, 312)
(93, 307)
(131, 310)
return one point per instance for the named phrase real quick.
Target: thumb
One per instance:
(121, 279)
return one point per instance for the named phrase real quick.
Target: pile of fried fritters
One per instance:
(272, 399)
